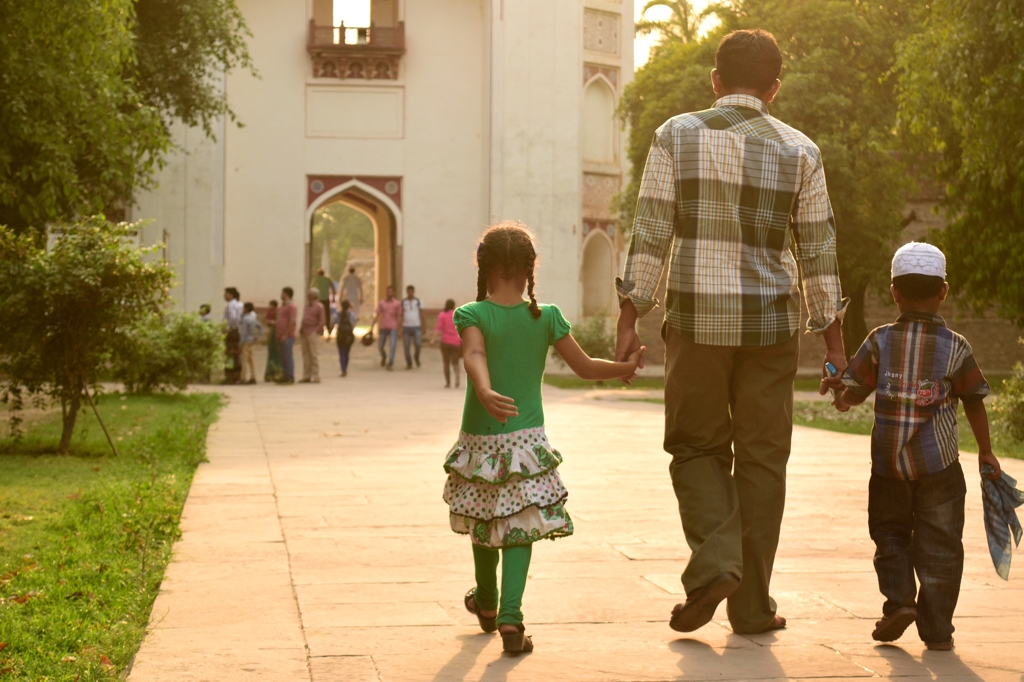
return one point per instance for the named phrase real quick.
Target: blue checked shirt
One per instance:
(734, 201)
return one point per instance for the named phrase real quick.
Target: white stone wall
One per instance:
(483, 123)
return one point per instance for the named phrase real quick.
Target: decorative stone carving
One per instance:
(606, 226)
(598, 191)
(591, 70)
(601, 31)
(351, 67)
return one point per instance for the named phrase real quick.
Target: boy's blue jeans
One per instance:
(919, 526)
(288, 359)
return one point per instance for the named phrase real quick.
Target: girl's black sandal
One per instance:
(516, 642)
(487, 623)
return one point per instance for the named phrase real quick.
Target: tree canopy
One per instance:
(90, 89)
(961, 98)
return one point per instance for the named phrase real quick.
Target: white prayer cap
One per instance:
(918, 258)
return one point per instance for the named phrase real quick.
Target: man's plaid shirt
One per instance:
(734, 193)
(919, 370)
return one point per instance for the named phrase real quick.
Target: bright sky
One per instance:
(357, 13)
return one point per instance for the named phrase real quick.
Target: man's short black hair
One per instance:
(918, 287)
(248, 307)
(749, 59)
(289, 291)
(233, 292)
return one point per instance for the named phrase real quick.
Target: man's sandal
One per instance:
(892, 627)
(516, 642)
(940, 646)
(487, 623)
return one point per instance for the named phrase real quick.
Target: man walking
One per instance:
(324, 291)
(352, 291)
(312, 328)
(249, 333)
(412, 325)
(387, 313)
(727, 197)
(287, 317)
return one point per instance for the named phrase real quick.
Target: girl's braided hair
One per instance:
(507, 247)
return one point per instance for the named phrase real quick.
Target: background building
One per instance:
(431, 121)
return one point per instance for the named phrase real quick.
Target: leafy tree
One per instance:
(682, 24)
(181, 49)
(90, 89)
(961, 97)
(77, 139)
(837, 57)
(67, 310)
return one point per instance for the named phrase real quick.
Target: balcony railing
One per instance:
(342, 38)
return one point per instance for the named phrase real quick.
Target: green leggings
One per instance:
(513, 581)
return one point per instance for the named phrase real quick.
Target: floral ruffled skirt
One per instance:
(504, 490)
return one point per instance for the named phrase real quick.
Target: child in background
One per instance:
(249, 330)
(503, 487)
(204, 313)
(919, 370)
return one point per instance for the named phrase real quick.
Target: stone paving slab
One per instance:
(316, 548)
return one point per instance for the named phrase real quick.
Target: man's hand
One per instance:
(498, 406)
(990, 459)
(627, 341)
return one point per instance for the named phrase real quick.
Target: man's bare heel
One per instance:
(516, 642)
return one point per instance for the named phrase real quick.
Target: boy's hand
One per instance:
(990, 459)
(831, 384)
(498, 406)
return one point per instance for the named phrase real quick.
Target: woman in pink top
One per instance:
(451, 342)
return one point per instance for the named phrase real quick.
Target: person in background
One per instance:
(352, 291)
(324, 292)
(387, 313)
(249, 332)
(232, 345)
(204, 313)
(311, 328)
(273, 371)
(287, 319)
(345, 336)
(451, 342)
(412, 325)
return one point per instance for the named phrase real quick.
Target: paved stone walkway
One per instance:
(316, 547)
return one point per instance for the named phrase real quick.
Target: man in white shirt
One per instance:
(412, 325)
(232, 342)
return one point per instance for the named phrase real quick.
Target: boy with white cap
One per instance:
(919, 370)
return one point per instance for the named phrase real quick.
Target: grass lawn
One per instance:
(85, 538)
(821, 415)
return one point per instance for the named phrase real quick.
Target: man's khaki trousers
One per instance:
(310, 356)
(728, 427)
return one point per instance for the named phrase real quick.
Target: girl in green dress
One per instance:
(503, 487)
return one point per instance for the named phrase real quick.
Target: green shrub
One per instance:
(169, 352)
(596, 337)
(1009, 405)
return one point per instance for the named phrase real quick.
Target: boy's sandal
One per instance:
(487, 623)
(516, 642)
(940, 646)
(892, 627)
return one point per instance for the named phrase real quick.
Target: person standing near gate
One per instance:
(311, 329)
(412, 325)
(734, 202)
(287, 319)
(324, 291)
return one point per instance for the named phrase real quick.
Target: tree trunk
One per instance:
(70, 415)
(855, 328)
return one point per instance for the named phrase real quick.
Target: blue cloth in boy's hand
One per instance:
(1000, 498)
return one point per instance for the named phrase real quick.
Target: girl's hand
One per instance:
(990, 459)
(498, 406)
(634, 360)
